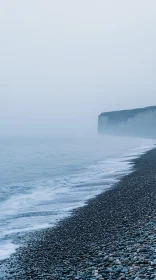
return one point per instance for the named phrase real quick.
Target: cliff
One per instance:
(139, 122)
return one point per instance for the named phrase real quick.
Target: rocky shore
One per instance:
(112, 237)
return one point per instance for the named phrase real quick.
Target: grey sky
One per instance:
(64, 62)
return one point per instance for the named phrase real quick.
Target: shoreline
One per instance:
(73, 246)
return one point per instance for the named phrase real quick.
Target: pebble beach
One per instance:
(112, 237)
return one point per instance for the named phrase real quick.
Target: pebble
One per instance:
(134, 260)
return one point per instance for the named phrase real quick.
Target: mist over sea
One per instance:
(43, 179)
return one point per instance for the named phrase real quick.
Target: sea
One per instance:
(43, 179)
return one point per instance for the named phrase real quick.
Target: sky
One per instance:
(62, 63)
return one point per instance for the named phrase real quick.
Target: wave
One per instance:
(42, 204)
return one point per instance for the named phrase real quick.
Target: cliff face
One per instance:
(139, 122)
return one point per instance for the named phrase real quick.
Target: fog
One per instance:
(62, 63)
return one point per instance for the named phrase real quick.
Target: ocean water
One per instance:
(43, 180)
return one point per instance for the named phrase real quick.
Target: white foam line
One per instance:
(6, 249)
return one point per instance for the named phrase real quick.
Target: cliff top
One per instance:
(126, 114)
